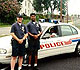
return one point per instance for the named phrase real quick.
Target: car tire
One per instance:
(77, 51)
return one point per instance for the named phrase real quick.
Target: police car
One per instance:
(56, 39)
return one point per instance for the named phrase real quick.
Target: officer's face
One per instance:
(19, 20)
(33, 17)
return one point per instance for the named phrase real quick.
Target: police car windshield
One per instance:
(43, 27)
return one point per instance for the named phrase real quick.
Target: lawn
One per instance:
(5, 25)
(8, 25)
(4, 35)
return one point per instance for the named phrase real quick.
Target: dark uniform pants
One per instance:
(18, 49)
(33, 46)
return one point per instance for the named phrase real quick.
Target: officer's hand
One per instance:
(35, 36)
(20, 41)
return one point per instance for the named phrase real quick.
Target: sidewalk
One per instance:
(4, 31)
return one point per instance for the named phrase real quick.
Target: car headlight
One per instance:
(3, 51)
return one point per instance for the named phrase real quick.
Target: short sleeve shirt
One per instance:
(34, 28)
(18, 30)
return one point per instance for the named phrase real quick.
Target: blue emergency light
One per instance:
(49, 20)
(55, 21)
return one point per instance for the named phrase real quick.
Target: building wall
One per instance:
(27, 7)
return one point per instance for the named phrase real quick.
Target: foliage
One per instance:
(37, 5)
(41, 16)
(40, 4)
(19, 0)
(26, 19)
(63, 6)
(8, 10)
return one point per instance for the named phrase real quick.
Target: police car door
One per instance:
(50, 45)
(68, 35)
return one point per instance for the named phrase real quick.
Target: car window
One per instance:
(51, 32)
(74, 31)
(66, 30)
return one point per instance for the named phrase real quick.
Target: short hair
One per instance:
(32, 14)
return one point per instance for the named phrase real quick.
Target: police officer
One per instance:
(34, 33)
(19, 35)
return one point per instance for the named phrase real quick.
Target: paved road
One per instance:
(4, 31)
(60, 62)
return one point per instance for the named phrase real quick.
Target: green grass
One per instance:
(4, 25)
(25, 21)
(78, 27)
(4, 35)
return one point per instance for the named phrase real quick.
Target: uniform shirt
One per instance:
(19, 30)
(33, 28)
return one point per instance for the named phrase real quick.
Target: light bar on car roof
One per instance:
(55, 21)
(48, 20)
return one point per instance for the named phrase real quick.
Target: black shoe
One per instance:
(35, 68)
(29, 68)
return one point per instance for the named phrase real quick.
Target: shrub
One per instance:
(8, 10)
(41, 16)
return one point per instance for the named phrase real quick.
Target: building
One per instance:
(27, 7)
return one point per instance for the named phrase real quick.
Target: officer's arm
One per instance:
(30, 34)
(40, 29)
(40, 34)
(20, 41)
(14, 36)
(25, 36)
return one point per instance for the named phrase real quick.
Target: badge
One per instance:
(23, 29)
(37, 25)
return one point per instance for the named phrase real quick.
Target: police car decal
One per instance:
(76, 39)
(56, 44)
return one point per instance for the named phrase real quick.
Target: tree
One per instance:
(8, 10)
(53, 5)
(47, 3)
(37, 5)
(63, 6)
(19, 0)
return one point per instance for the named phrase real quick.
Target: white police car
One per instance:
(56, 39)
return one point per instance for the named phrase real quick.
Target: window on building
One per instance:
(25, 10)
(25, 3)
(28, 5)
(28, 11)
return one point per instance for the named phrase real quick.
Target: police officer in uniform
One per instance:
(34, 33)
(18, 41)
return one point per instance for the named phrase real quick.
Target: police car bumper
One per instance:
(5, 58)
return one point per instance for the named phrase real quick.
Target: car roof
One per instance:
(47, 24)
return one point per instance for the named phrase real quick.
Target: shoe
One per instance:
(29, 68)
(24, 64)
(21, 69)
(35, 68)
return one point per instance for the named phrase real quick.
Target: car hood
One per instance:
(5, 42)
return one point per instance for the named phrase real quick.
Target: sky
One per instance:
(74, 7)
